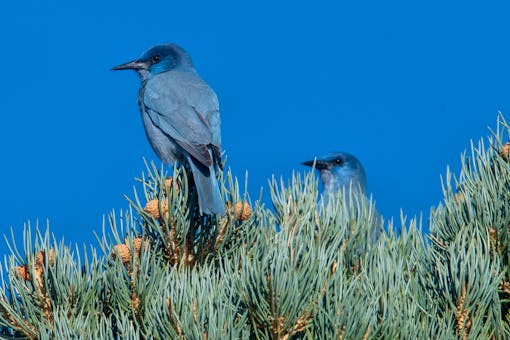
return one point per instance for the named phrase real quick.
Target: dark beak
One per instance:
(319, 165)
(132, 65)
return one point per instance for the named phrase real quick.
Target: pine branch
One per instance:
(166, 271)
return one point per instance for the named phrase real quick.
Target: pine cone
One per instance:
(152, 208)
(40, 258)
(137, 244)
(23, 272)
(505, 151)
(242, 211)
(168, 184)
(123, 251)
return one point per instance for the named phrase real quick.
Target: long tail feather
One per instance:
(209, 196)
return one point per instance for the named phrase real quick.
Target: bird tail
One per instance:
(208, 191)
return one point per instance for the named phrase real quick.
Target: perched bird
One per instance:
(342, 171)
(180, 113)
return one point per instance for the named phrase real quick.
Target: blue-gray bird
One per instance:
(342, 171)
(180, 113)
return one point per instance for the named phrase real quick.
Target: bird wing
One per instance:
(181, 105)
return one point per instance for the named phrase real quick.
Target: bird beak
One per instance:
(319, 165)
(132, 65)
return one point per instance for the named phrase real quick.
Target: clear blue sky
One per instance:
(403, 85)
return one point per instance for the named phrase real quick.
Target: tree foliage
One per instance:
(300, 270)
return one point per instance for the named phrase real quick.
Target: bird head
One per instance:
(340, 169)
(158, 59)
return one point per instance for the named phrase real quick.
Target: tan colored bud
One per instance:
(135, 301)
(505, 151)
(459, 197)
(23, 273)
(152, 208)
(123, 251)
(40, 258)
(168, 184)
(137, 244)
(39, 276)
(242, 211)
(333, 267)
(493, 234)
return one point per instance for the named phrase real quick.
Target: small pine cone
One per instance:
(462, 314)
(242, 211)
(333, 267)
(137, 244)
(459, 197)
(39, 259)
(23, 273)
(39, 276)
(493, 235)
(123, 251)
(152, 208)
(51, 258)
(505, 151)
(169, 182)
(505, 287)
(135, 301)
(342, 332)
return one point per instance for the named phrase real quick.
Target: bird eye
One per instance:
(156, 58)
(338, 161)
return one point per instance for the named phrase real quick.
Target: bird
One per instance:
(180, 114)
(339, 171)
(342, 171)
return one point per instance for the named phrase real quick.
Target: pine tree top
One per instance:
(299, 270)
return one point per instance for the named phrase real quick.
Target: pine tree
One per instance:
(300, 270)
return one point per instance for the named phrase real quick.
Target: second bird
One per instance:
(341, 172)
(180, 113)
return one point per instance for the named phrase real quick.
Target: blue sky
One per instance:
(403, 85)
